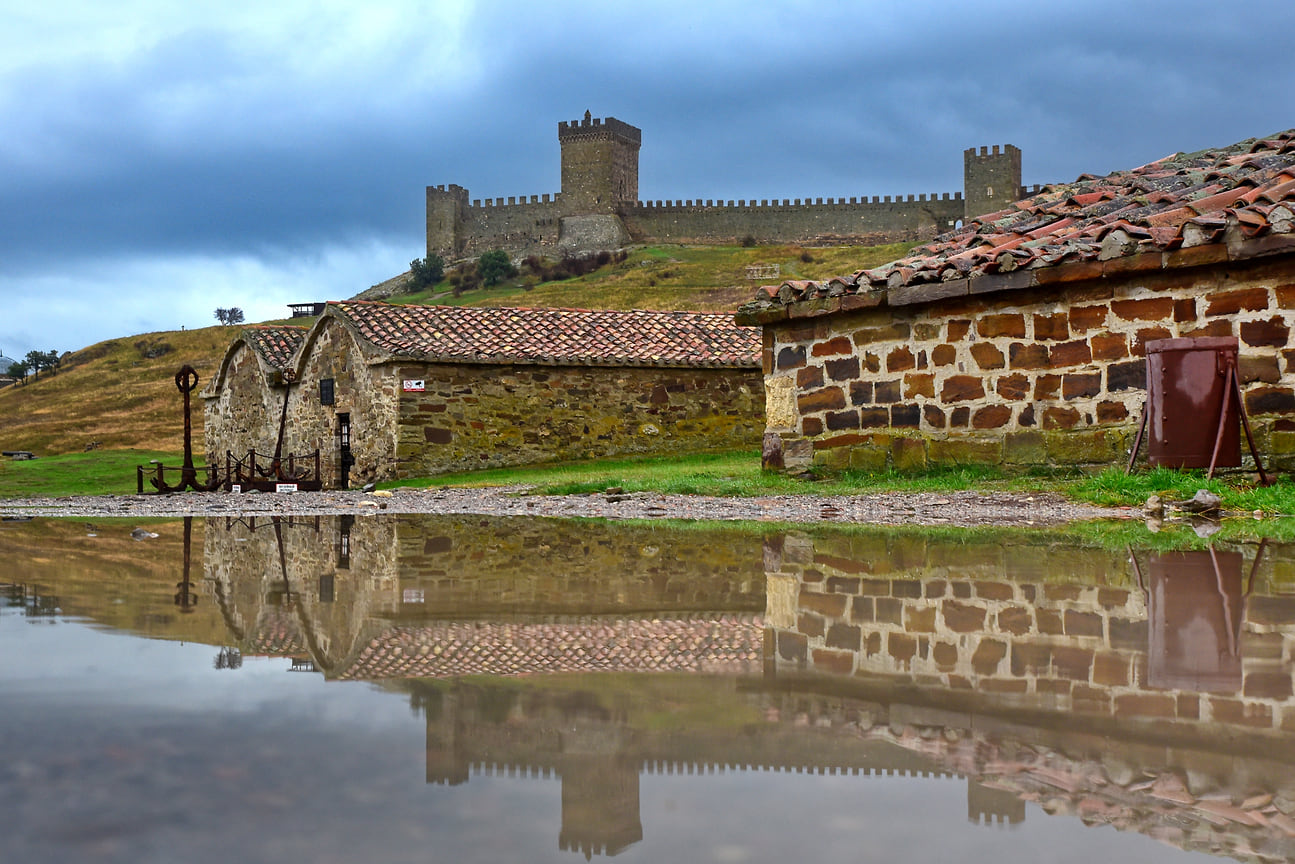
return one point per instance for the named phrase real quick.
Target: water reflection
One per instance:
(1149, 691)
(1059, 678)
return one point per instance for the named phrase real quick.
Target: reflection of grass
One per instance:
(655, 701)
(100, 472)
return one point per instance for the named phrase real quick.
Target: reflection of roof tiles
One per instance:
(276, 345)
(1245, 192)
(556, 336)
(725, 644)
(1240, 822)
(278, 634)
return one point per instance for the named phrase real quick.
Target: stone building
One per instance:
(598, 207)
(1021, 338)
(244, 401)
(389, 391)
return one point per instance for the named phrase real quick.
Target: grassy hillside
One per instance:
(710, 278)
(121, 393)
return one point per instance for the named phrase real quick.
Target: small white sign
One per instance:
(415, 385)
(236, 488)
(413, 595)
(285, 487)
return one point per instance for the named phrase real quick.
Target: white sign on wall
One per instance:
(414, 385)
(285, 487)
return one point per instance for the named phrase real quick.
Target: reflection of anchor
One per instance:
(184, 597)
(186, 380)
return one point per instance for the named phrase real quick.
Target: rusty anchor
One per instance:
(186, 381)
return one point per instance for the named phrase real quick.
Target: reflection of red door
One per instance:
(1195, 608)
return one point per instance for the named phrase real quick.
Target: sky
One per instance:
(161, 159)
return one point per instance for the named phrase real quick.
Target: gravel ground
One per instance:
(927, 508)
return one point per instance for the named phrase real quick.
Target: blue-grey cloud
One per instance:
(279, 153)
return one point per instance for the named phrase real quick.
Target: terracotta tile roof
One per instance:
(1234, 202)
(552, 336)
(276, 345)
(732, 643)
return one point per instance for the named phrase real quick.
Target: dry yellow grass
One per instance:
(113, 393)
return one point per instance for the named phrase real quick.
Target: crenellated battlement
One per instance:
(599, 126)
(598, 206)
(787, 203)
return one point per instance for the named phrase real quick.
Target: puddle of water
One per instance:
(476, 689)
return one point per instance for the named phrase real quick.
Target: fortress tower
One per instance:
(446, 207)
(990, 180)
(598, 207)
(600, 164)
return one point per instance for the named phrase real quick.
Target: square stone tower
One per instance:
(600, 164)
(991, 180)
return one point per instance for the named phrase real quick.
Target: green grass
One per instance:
(99, 472)
(735, 473)
(1239, 493)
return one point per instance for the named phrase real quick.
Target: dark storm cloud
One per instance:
(304, 139)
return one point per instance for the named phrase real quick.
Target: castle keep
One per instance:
(598, 207)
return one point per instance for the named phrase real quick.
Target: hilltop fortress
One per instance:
(598, 207)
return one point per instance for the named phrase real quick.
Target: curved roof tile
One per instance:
(1182, 200)
(556, 336)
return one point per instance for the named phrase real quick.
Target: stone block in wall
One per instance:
(868, 457)
(1085, 318)
(1060, 418)
(797, 453)
(1029, 356)
(781, 593)
(965, 451)
(1271, 333)
(1233, 301)
(1252, 368)
(1109, 346)
(1270, 400)
(1086, 447)
(987, 355)
(1015, 387)
(809, 377)
(1025, 448)
(961, 388)
(908, 454)
(1126, 376)
(1007, 324)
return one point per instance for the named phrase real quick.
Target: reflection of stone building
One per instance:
(1029, 674)
(408, 596)
(1151, 692)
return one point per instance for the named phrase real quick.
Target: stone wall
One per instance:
(1042, 376)
(478, 416)
(600, 174)
(994, 620)
(369, 394)
(244, 414)
(838, 220)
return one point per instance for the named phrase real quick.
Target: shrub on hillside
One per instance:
(495, 266)
(425, 272)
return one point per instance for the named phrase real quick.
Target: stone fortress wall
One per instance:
(598, 207)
